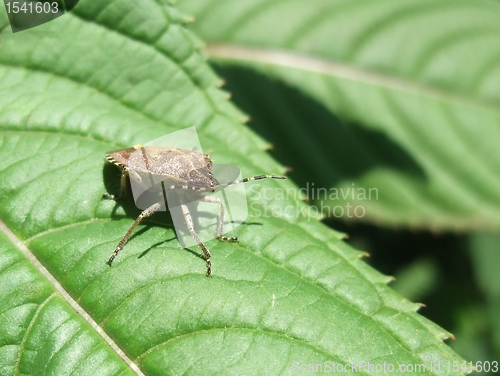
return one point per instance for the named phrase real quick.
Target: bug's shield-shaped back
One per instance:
(156, 167)
(151, 174)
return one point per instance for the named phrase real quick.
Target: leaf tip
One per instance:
(419, 306)
(444, 336)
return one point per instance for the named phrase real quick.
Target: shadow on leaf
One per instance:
(315, 143)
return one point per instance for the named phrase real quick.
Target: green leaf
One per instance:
(40, 332)
(112, 75)
(394, 95)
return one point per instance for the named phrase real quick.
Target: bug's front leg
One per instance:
(123, 188)
(146, 213)
(190, 225)
(220, 227)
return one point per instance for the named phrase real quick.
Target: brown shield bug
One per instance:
(188, 174)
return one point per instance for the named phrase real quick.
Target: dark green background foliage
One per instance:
(394, 95)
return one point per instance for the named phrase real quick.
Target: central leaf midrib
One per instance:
(21, 247)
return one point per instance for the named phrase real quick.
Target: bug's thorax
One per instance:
(173, 165)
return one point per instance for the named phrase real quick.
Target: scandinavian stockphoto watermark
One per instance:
(434, 367)
(207, 200)
(322, 201)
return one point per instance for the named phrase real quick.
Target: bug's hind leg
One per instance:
(190, 225)
(123, 188)
(146, 213)
(220, 227)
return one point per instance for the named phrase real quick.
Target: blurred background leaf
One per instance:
(400, 96)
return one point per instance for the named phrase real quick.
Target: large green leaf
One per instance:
(402, 96)
(40, 333)
(113, 75)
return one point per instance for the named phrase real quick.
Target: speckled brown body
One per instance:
(175, 166)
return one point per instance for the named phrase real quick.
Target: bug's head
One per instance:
(202, 177)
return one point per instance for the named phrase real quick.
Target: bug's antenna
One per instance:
(259, 177)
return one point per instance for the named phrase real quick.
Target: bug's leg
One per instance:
(146, 213)
(220, 229)
(189, 223)
(123, 188)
